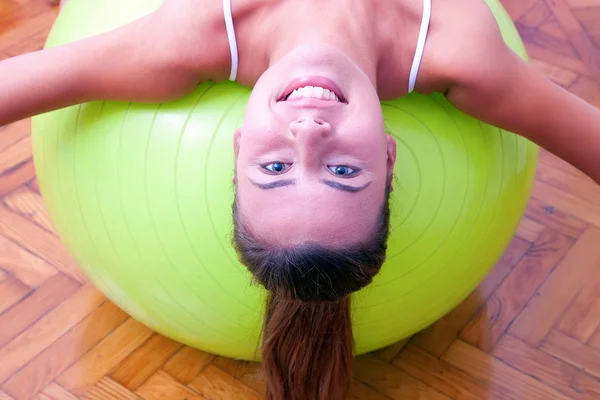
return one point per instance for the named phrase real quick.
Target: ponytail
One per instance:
(307, 343)
(307, 349)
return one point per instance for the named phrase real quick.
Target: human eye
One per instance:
(276, 168)
(343, 171)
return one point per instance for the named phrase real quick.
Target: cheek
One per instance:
(257, 126)
(254, 115)
(369, 145)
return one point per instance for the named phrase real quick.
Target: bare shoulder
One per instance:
(196, 34)
(464, 46)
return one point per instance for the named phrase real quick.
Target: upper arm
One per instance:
(117, 65)
(492, 84)
(480, 68)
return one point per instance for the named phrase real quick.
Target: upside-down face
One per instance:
(312, 157)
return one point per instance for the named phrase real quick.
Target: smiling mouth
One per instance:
(315, 89)
(313, 92)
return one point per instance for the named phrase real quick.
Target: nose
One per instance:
(308, 127)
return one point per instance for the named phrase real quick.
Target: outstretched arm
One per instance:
(497, 87)
(131, 63)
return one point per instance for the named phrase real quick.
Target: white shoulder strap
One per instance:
(231, 37)
(414, 71)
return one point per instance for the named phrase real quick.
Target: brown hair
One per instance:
(307, 343)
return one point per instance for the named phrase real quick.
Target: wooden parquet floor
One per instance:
(530, 331)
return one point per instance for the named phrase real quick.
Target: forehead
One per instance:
(292, 215)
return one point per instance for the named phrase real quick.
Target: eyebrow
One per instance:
(332, 184)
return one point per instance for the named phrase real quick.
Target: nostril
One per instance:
(318, 122)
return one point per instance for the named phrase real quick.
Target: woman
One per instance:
(313, 168)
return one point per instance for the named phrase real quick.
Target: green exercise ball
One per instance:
(141, 196)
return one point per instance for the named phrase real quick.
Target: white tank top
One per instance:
(414, 70)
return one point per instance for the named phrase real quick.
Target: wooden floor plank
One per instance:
(529, 229)
(103, 358)
(563, 176)
(42, 396)
(48, 329)
(17, 175)
(556, 293)
(568, 202)
(145, 361)
(388, 353)
(20, 317)
(63, 353)
(536, 15)
(162, 386)
(539, 50)
(14, 133)
(505, 304)
(16, 154)
(25, 10)
(553, 218)
(436, 338)
(13, 291)
(29, 204)
(107, 389)
(39, 242)
(187, 364)
(553, 28)
(392, 382)
(589, 15)
(556, 46)
(24, 266)
(587, 88)
(216, 384)
(558, 75)
(582, 317)
(32, 43)
(549, 370)
(586, 49)
(516, 8)
(4, 396)
(57, 392)
(26, 28)
(498, 375)
(358, 391)
(442, 376)
(34, 186)
(573, 352)
(576, 4)
(594, 341)
(248, 373)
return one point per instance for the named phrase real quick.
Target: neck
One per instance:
(284, 26)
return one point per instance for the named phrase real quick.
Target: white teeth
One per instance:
(330, 95)
(316, 92)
